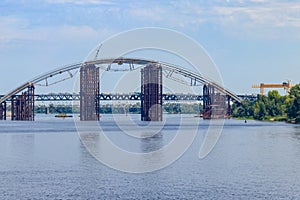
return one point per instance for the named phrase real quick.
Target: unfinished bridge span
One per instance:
(216, 98)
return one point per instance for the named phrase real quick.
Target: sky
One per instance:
(250, 41)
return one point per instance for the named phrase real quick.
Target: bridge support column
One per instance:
(214, 103)
(151, 93)
(22, 106)
(228, 115)
(3, 111)
(207, 101)
(47, 110)
(89, 93)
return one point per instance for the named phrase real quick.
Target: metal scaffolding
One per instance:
(228, 114)
(207, 101)
(3, 111)
(214, 104)
(151, 92)
(89, 93)
(22, 106)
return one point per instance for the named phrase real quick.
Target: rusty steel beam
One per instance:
(22, 106)
(207, 101)
(3, 111)
(151, 93)
(15, 91)
(89, 93)
(214, 104)
(228, 115)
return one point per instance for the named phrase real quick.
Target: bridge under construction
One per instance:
(216, 99)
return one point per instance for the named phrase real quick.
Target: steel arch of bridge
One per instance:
(169, 69)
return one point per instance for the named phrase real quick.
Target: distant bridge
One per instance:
(125, 97)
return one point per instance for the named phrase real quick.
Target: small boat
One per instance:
(199, 115)
(63, 115)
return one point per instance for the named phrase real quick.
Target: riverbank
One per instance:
(272, 119)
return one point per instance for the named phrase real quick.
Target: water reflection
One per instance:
(151, 147)
(22, 147)
(152, 154)
(297, 132)
(152, 143)
(16, 150)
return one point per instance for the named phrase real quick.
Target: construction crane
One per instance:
(285, 85)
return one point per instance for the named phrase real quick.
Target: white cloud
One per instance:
(268, 20)
(257, 18)
(270, 15)
(252, 18)
(14, 30)
(81, 2)
(262, 12)
(156, 13)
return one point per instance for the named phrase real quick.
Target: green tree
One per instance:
(293, 103)
(275, 104)
(260, 111)
(245, 109)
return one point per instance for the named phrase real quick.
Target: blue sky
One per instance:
(250, 41)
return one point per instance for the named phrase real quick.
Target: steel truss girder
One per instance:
(133, 97)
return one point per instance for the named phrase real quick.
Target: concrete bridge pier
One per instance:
(89, 93)
(151, 93)
(214, 104)
(22, 106)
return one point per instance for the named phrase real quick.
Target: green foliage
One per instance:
(272, 107)
(293, 103)
(297, 120)
(244, 110)
(171, 108)
(54, 109)
(184, 108)
(260, 111)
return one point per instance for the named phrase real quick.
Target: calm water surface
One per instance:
(46, 160)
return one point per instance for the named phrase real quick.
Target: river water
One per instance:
(45, 159)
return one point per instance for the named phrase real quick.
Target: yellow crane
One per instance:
(285, 85)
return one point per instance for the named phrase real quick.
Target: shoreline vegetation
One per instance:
(170, 108)
(272, 107)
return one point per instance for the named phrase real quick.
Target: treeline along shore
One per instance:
(273, 107)
(124, 108)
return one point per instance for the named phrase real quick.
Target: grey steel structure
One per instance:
(125, 97)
